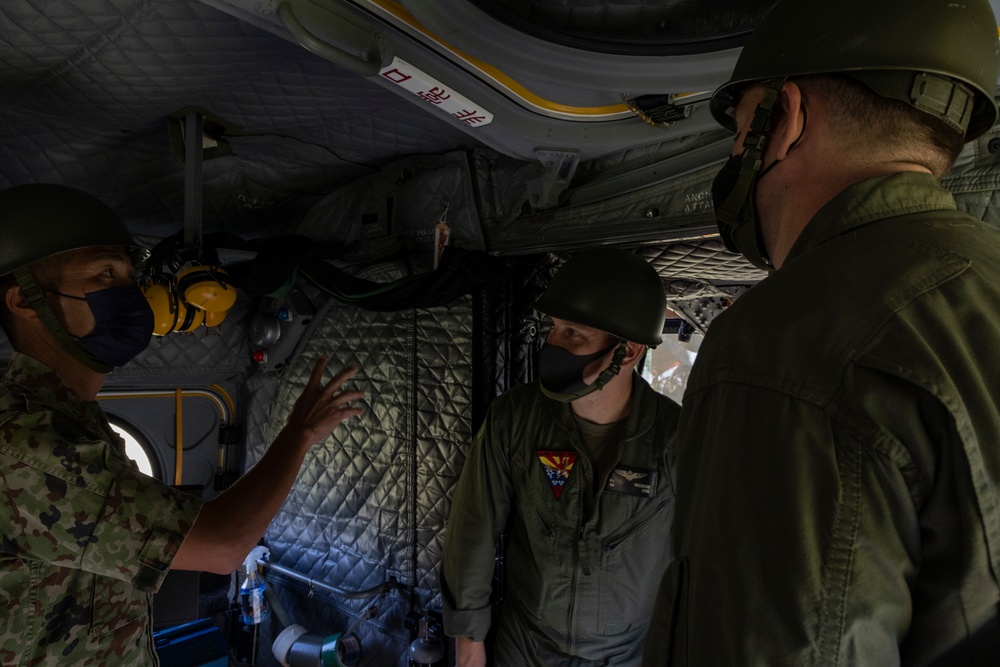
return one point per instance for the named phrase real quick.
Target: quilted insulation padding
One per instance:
(704, 261)
(87, 86)
(261, 389)
(396, 211)
(202, 356)
(975, 179)
(371, 500)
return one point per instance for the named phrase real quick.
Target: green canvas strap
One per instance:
(35, 296)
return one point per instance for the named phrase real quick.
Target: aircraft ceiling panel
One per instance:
(88, 86)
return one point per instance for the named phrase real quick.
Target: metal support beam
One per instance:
(194, 130)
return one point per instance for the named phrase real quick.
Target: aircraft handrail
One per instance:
(390, 584)
(369, 65)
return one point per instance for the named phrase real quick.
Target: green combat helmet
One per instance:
(607, 289)
(939, 57)
(612, 290)
(40, 220)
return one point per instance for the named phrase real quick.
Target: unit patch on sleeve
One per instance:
(557, 466)
(632, 481)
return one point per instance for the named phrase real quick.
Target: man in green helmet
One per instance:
(838, 458)
(577, 468)
(87, 537)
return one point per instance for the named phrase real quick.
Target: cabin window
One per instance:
(199, 418)
(667, 367)
(135, 447)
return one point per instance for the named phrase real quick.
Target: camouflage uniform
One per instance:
(87, 537)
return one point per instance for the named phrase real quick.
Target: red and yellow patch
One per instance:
(557, 466)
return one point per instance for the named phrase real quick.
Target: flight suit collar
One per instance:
(641, 417)
(870, 200)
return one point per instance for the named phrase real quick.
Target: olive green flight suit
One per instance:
(579, 589)
(838, 462)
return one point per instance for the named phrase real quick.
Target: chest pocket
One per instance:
(632, 563)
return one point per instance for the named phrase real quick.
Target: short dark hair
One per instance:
(883, 126)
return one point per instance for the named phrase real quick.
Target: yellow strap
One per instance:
(178, 436)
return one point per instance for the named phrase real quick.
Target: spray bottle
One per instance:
(252, 603)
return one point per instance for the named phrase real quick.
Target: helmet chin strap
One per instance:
(34, 294)
(612, 370)
(743, 230)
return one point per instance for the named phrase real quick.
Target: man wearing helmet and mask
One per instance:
(87, 538)
(838, 458)
(576, 467)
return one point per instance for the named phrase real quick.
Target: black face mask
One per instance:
(734, 186)
(735, 211)
(561, 372)
(123, 324)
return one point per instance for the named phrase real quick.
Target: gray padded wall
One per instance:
(371, 501)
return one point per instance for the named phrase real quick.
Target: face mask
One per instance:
(734, 187)
(561, 372)
(123, 324)
(733, 194)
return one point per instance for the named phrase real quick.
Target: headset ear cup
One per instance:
(214, 319)
(162, 299)
(206, 288)
(192, 318)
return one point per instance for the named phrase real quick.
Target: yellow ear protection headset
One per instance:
(170, 311)
(206, 288)
(183, 300)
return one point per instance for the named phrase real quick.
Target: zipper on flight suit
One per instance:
(598, 492)
(584, 564)
(581, 532)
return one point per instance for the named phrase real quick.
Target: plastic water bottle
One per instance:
(252, 602)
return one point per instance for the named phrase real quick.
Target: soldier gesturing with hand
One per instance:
(87, 537)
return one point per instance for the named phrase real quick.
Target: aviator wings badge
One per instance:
(630, 475)
(632, 481)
